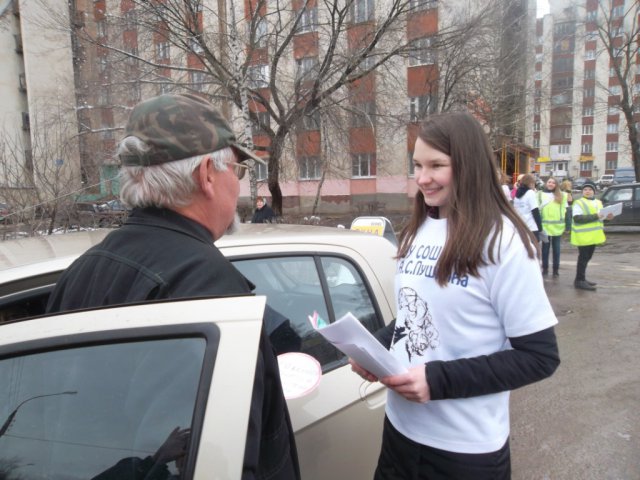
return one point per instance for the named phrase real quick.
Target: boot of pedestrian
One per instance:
(583, 285)
(593, 284)
(556, 273)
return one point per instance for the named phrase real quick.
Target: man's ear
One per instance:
(206, 177)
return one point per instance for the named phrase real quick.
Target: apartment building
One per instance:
(578, 124)
(340, 145)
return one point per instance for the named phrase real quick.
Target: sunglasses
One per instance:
(240, 169)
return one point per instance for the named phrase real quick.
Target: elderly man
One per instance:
(180, 174)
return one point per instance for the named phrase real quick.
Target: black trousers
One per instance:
(584, 255)
(404, 459)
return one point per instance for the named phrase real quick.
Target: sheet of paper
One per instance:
(350, 337)
(616, 209)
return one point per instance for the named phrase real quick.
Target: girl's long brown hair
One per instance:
(477, 202)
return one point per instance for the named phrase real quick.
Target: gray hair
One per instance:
(166, 185)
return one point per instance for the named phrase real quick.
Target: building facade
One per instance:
(338, 107)
(586, 74)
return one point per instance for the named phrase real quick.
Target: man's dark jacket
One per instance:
(159, 254)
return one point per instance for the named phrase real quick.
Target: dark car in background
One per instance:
(578, 183)
(629, 196)
(624, 175)
(5, 212)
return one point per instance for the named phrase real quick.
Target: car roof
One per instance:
(40, 255)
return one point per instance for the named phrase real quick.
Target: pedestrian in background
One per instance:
(553, 207)
(567, 188)
(473, 319)
(587, 231)
(516, 184)
(526, 204)
(263, 212)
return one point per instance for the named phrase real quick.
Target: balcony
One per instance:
(18, 38)
(22, 83)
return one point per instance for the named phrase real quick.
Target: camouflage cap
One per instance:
(178, 127)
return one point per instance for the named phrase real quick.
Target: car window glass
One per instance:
(95, 412)
(620, 195)
(294, 291)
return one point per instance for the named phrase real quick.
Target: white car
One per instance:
(86, 391)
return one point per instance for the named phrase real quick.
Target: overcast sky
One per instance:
(543, 8)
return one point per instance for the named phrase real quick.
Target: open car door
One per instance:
(156, 391)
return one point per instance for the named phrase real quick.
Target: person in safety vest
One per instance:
(553, 206)
(587, 231)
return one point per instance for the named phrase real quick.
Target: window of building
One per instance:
(591, 15)
(564, 148)
(135, 92)
(262, 171)
(310, 167)
(564, 28)
(612, 72)
(615, 90)
(104, 97)
(586, 166)
(636, 89)
(308, 20)
(589, 92)
(130, 19)
(197, 80)
(536, 108)
(592, 35)
(539, 40)
(421, 107)
(589, 74)
(101, 29)
(539, 57)
(611, 164)
(312, 121)
(590, 55)
(612, 128)
(422, 4)
(587, 129)
(132, 55)
(363, 114)
(617, 11)
(162, 50)
(259, 76)
(586, 148)
(264, 121)
(362, 11)
(196, 5)
(363, 165)
(422, 52)
(617, 32)
(562, 65)
(536, 143)
(536, 127)
(306, 68)
(537, 75)
(106, 132)
(612, 146)
(102, 64)
(261, 32)
(587, 112)
(194, 44)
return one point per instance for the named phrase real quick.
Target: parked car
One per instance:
(83, 390)
(629, 196)
(93, 215)
(577, 183)
(604, 181)
(5, 212)
(624, 175)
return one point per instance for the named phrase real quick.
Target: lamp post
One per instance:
(12, 415)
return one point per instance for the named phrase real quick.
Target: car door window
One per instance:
(297, 286)
(620, 195)
(99, 411)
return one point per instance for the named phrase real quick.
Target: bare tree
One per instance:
(618, 28)
(40, 172)
(246, 58)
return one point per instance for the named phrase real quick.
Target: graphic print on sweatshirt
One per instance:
(414, 324)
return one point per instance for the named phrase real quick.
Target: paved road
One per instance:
(584, 422)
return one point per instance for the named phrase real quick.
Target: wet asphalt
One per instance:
(584, 422)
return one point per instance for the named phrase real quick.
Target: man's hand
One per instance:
(174, 447)
(411, 385)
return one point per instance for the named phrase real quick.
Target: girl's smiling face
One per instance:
(434, 176)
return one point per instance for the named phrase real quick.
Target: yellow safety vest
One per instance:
(591, 233)
(553, 214)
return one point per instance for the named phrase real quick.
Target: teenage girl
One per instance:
(473, 319)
